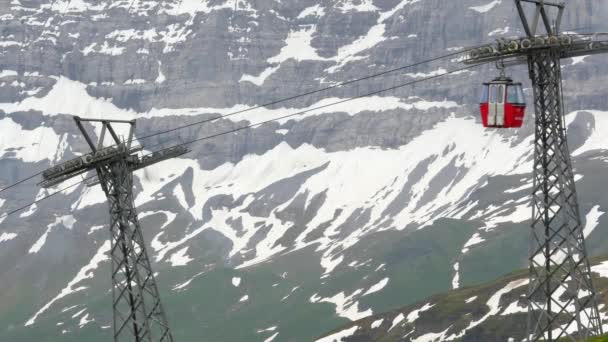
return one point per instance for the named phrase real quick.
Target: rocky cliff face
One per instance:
(294, 227)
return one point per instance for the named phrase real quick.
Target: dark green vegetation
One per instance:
(463, 313)
(450, 314)
(418, 263)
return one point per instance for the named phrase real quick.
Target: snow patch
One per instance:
(66, 221)
(592, 220)
(8, 73)
(161, 77)
(376, 323)
(377, 287)
(180, 258)
(493, 303)
(84, 321)
(346, 306)
(499, 32)
(597, 139)
(474, 240)
(90, 196)
(261, 78)
(178, 192)
(85, 273)
(514, 308)
(191, 7)
(339, 336)
(527, 186)
(414, 315)
(374, 36)
(298, 46)
(381, 266)
(487, 7)
(316, 10)
(601, 269)
(94, 229)
(272, 328)
(356, 5)
(272, 337)
(69, 97)
(433, 73)
(236, 281)
(29, 146)
(578, 60)
(7, 236)
(472, 299)
(290, 292)
(183, 285)
(329, 263)
(456, 278)
(79, 313)
(396, 321)
(432, 337)
(69, 308)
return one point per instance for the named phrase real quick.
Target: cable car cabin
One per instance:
(502, 104)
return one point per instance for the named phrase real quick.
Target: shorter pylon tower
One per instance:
(138, 313)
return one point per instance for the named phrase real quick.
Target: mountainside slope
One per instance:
(496, 311)
(294, 227)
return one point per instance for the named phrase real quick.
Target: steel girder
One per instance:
(138, 313)
(561, 296)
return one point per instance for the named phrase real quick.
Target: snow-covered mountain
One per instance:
(290, 229)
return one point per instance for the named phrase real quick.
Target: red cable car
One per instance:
(502, 103)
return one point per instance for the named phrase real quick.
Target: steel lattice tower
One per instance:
(561, 297)
(560, 291)
(138, 313)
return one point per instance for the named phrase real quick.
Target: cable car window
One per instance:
(520, 94)
(501, 94)
(515, 94)
(512, 94)
(493, 94)
(484, 94)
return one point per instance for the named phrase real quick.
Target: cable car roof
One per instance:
(503, 80)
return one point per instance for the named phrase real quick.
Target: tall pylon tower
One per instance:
(138, 313)
(562, 301)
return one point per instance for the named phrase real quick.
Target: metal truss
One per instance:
(138, 313)
(561, 296)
